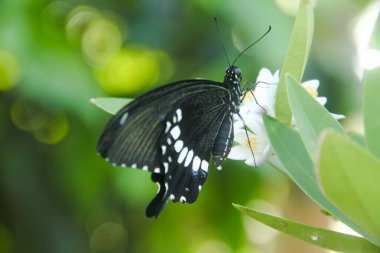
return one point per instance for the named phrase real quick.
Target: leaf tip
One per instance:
(241, 208)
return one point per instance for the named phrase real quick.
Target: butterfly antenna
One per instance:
(221, 42)
(252, 45)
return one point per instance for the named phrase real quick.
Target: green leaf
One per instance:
(371, 111)
(311, 117)
(350, 175)
(110, 105)
(296, 57)
(291, 151)
(357, 138)
(321, 237)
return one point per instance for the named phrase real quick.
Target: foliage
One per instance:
(338, 174)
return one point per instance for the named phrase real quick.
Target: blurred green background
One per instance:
(57, 195)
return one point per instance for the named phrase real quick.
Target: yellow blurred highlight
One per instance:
(55, 129)
(109, 237)
(101, 41)
(134, 70)
(9, 70)
(27, 115)
(47, 127)
(77, 22)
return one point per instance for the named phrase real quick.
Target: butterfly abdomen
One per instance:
(223, 141)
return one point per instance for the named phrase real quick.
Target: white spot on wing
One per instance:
(175, 132)
(169, 159)
(168, 125)
(159, 187)
(157, 170)
(204, 166)
(169, 141)
(178, 146)
(123, 165)
(172, 197)
(134, 166)
(123, 118)
(196, 163)
(163, 148)
(182, 199)
(219, 167)
(166, 166)
(189, 158)
(199, 187)
(179, 114)
(145, 167)
(182, 155)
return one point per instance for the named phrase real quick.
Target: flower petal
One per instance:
(314, 84)
(264, 75)
(256, 125)
(240, 136)
(239, 152)
(258, 160)
(338, 116)
(321, 100)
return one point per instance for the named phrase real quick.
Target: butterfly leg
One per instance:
(249, 142)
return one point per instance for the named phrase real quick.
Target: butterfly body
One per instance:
(172, 132)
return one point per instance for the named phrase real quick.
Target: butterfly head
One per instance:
(233, 77)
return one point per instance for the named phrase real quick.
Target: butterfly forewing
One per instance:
(132, 136)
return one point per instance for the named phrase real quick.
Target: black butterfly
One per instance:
(172, 132)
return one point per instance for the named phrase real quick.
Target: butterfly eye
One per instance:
(237, 71)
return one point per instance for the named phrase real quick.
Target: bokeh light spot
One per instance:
(77, 22)
(27, 116)
(109, 237)
(54, 130)
(53, 17)
(9, 70)
(47, 127)
(101, 41)
(132, 71)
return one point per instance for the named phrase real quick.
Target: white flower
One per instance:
(311, 87)
(257, 142)
(253, 107)
(265, 92)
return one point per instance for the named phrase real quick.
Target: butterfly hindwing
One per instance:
(191, 129)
